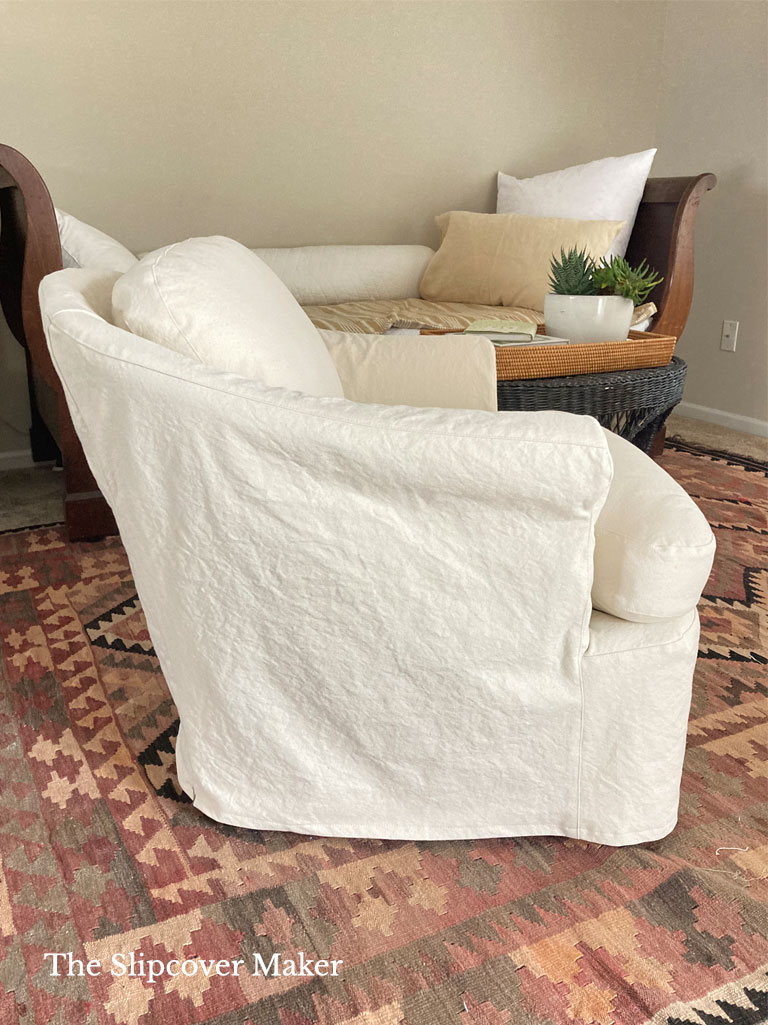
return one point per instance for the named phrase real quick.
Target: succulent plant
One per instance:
(571, 274)
(616, 277)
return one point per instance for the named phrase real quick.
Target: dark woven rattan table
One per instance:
(632, 403)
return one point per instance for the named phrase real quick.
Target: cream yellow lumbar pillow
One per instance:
(504, 259)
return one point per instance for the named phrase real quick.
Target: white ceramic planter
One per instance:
(588, 318)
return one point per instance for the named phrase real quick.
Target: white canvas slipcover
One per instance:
(375, 620)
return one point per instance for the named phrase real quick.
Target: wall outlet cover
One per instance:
(728, 335)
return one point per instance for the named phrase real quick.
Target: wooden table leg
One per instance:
(657, 448)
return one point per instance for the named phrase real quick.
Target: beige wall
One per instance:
(713, 116)
(287, 122)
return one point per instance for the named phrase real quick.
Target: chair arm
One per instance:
(415, 527)
(653, 546)
(446, 371)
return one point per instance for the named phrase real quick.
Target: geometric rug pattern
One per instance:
(101, 853)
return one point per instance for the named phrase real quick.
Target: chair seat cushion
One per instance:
(653, 546)
(215, 301)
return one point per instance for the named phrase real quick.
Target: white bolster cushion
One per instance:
(653, 546)
(438, 371)
(317, 275)
(215, 301)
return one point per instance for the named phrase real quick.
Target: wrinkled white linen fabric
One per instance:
(374, 620)
(637, 695)
(337, 274)
(447, 371)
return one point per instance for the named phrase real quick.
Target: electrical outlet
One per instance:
(728, 337)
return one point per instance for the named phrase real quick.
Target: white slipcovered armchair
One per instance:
(380, 620)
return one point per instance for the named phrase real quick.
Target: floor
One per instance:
(712, 436)
(31, 497)
(35, 496)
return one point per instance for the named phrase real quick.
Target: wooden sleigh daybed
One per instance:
(30, 249)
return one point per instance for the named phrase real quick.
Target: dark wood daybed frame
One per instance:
(30, 249)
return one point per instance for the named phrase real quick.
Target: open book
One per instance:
(511, 332)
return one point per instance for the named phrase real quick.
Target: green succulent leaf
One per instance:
(571, 273)
(576, 273)
(617, 277)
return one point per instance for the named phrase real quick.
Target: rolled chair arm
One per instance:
(653, 546)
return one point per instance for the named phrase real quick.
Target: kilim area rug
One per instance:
(102, 855)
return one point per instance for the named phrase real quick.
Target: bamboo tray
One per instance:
(642, 349)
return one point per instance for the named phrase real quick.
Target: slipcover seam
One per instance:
(656, 544)
(155, 262)
(645, 647)
(587, 615)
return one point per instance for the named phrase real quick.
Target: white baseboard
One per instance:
(21, 459)
(747, 424)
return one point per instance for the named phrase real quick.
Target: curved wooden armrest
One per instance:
(29, 249)
(663, 235)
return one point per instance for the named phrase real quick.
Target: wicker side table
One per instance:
(632, 403)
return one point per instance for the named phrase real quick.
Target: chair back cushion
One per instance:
(215, 301)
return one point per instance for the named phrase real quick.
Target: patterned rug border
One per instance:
(734, 458)
(31, 526)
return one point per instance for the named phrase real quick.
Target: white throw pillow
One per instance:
(85, 246)
(603, 190)
(215, 301)
(653, 546)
